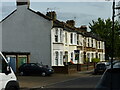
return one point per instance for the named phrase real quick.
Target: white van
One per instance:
(8, 80)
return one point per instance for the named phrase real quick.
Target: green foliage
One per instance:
(95, 60)
(103, 28)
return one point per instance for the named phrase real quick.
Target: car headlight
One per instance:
(50, 70)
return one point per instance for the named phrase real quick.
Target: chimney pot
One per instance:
(23, 2)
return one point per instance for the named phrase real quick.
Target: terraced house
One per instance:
(71, 45)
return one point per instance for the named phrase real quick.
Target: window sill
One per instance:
(72, 44)
(57, 42)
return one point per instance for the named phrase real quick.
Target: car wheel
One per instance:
(43, 74)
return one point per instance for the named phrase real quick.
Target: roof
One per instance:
(93, 35)
(8, 16)
(38, 13)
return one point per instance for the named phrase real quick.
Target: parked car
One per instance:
(110, 79)
(116, 64)
(35, 69)
(100, 68)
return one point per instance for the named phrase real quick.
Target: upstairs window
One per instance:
(99, 45)
(77, 39)
(92, 42)
(61, 35)
(56, 35)
(88, 43)
(65, 38)
(71, 38)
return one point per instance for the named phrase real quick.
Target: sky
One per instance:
(82, 11)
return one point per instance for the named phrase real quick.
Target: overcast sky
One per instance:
(82, 12)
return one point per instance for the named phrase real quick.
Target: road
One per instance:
(82, 82)
(72, 81)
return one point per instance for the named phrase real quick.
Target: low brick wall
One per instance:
(87, 66)
(68, 69)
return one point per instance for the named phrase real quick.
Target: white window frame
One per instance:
(66, 39)
(58, 59)
(61, 58)
(59, 35)
(56, 35)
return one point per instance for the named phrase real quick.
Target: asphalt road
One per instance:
(82, 82)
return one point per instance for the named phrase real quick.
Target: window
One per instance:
(71, 56)
(75, 38)
(56, 35)
(61, 58)
(96, 55)
(92, 42)
(71, 38)
(88, 42)
(65, 38)
(99, 45)
(92, 55)
(61, 35)
(99, 56)
(56, 58)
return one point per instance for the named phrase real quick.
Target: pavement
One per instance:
(27, 82)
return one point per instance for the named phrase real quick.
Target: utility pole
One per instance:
(112, 41)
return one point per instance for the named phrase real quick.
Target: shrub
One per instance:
(95, 60)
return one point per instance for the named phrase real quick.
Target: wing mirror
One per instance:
(8, 70)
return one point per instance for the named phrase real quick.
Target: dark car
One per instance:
(35, 69)
(99, 68)
(110, 80)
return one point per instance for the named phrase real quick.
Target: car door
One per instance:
(26, 69)
(34, 68)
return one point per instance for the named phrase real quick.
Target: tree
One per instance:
(103, 28)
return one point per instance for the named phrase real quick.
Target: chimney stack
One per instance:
(23, 2)
(52, 15)
(83, 28)
(71, 22)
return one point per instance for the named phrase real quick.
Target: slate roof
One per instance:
(38, 13)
